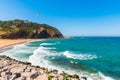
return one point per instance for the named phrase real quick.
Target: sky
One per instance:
(71, 17)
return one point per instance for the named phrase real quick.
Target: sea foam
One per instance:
(38, 56)
(47, 44)
(68, 54)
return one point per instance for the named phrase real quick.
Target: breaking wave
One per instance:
(39, 55)
(19, 52)
(79, 56)
(47, 44)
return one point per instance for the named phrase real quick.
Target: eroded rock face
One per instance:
(27, 30)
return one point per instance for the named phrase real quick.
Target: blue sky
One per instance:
(71, 17)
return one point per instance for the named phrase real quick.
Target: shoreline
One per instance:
(9, 42)
(11, 69)
(10, 62)
(14, 66)
(19, 41)
(47, 71)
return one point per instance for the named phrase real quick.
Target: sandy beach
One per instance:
(11, 69)
(9, 42)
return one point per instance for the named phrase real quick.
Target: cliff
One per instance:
(23, 29)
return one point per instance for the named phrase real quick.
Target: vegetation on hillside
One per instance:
(14, 29)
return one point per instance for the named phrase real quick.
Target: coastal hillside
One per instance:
(23, 29)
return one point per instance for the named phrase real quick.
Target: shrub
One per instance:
(55, 71)
(47, 71)
(75, 76)
(65, 76)
(50, 77)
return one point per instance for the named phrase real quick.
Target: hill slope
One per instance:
(24, 29)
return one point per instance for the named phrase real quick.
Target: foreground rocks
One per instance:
(11, 69)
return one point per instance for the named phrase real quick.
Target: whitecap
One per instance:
(42, 44)
(68, 54)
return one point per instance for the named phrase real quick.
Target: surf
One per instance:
(68, 54)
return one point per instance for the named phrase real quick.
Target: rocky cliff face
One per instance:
(24, 29)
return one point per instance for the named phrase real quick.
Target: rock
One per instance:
(84, 78)
(0, 74)
(8, 72)
(35, 75)
(16, 75)
(24, 78)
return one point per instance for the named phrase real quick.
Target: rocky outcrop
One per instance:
(20, 29)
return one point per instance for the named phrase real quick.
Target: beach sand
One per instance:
(9, 42)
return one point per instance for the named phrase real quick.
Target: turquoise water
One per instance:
(98, 57)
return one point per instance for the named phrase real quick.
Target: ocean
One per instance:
(97, 58)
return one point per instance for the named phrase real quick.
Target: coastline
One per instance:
(9, 42)
(13, 66)
(47, 73)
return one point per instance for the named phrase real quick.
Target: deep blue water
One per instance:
(76, 54)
